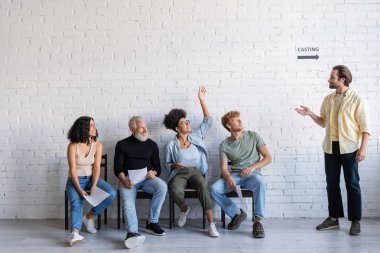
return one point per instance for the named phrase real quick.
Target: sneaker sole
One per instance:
(259, 236)
(153, 233)
(329, 228)
(75, 243)
(134, 242)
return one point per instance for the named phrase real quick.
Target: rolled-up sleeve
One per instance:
(323, 111)
(362, 116)
(204, 126)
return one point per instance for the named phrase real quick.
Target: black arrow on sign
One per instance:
(308, 57)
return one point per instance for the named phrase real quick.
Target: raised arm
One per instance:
(201, 96)
(305, 111)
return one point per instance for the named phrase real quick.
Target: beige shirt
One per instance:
(336, 103)
(84, 163)
(353, 120)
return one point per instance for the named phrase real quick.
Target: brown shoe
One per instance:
(237, 220)
(355, 228)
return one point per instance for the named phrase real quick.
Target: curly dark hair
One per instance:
(172, 118)
(79, 131)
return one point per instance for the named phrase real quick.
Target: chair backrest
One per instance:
(103, 164)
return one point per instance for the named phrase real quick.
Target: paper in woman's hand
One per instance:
(96, 197)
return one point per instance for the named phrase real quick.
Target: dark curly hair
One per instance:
(79, 131)
(172, 118)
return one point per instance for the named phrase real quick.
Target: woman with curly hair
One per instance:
(186, 161)
(84, 155)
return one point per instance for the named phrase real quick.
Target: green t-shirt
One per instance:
(242, 152)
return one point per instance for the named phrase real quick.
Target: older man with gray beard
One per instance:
(133, 153)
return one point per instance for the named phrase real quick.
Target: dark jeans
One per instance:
(333, 164)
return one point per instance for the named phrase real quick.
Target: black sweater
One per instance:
(133, 154)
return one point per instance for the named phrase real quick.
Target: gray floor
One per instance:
(282, 235)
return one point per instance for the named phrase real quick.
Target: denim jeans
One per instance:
(254, 182)
(76, 200)
(157, 187)
(333, 164)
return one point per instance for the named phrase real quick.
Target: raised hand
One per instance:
(303, 110)
(201, 92)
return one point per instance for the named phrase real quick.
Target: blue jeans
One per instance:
(157, 187)
(76, 200)
(254, 182)
(333, 166)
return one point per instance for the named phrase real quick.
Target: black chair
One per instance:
(103, 165)
(189, 194)
(140, 195)
(245, 193)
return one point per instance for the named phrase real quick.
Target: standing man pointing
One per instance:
(344, 114)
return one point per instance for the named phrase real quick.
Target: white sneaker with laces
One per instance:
(89, 224)
(212, 230)
(75, 238)
(182, 217)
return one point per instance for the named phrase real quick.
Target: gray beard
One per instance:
(141, 137)
(331, 86)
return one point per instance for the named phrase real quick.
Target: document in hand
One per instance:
(240, 195)
(137, 176)
(96, 197)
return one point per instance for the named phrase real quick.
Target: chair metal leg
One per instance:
(204, 219)
(223, 218)
(253, 209)
(171, 207)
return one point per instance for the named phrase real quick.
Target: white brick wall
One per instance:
(113, 59)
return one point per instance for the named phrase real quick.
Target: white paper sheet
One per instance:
(137, 176)
(97, 196)
(240, 195)
(188, 163)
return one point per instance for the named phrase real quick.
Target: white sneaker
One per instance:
(133, 240)
(182, 217)
(212, 230)
(75, 239)
(89, 224)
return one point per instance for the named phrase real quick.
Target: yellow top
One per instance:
(352, 121)
(337, 102)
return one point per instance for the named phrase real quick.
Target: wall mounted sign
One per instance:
(304, 53)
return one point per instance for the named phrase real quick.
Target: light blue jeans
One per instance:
(254, 182)
(157, 187)
(76, 200)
